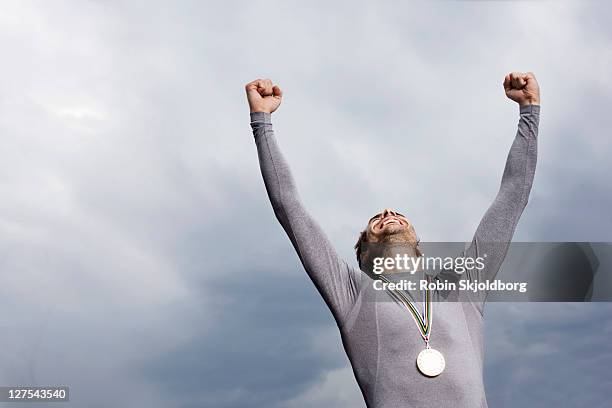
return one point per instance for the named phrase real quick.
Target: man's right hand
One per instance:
(263, 96)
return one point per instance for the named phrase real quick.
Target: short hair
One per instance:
(363, 235)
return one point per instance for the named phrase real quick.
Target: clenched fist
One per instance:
(263, 96)
(522, 88)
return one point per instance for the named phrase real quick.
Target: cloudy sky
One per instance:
(141, 262)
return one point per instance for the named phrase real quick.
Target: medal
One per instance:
(430, 362)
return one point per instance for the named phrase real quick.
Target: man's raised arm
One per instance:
(496, 228)
(334, 279)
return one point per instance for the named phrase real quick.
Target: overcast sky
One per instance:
(141, 262)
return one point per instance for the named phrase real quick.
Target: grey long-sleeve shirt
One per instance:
(380, 338)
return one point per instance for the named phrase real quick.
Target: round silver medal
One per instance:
(431, 362)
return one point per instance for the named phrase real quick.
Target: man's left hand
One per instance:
(522, 88)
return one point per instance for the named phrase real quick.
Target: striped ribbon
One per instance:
(424, 321)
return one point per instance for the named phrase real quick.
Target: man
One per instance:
(391, 357)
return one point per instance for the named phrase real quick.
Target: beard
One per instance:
(393, 240)
(398, 234)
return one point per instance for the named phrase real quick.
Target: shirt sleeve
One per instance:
(494, 233)
(335, 280)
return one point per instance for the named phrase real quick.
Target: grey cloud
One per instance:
(137, 244)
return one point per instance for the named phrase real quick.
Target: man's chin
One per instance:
(393, 229)
(392, 233)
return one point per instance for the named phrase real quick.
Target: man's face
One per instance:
(390, 226)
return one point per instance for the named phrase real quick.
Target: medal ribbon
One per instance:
(423, 322)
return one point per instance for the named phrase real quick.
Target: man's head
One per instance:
(387, 227)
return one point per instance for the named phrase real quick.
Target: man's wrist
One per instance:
(253, 110)
(530, 102)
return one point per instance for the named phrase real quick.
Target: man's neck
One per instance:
(404, 252)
